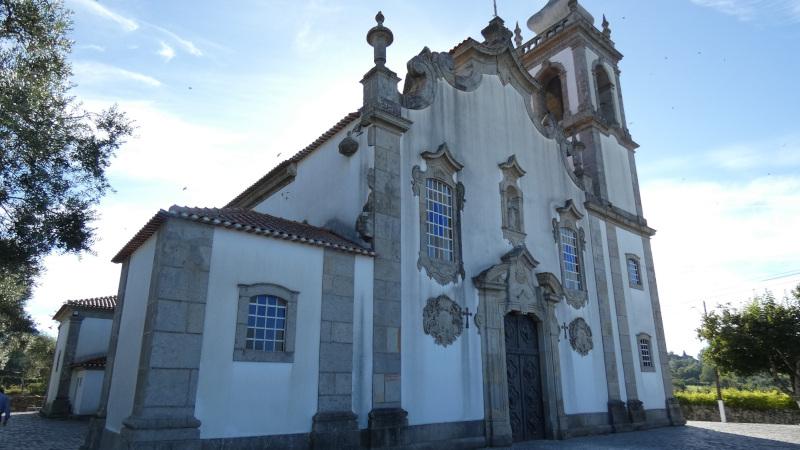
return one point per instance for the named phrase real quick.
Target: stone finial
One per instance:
(380, 37)
(606, 29)
(517, 35)
(496, 33)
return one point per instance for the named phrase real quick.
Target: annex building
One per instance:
(463, 262)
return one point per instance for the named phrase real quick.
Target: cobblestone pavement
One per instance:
(694, 436)
(29, 431)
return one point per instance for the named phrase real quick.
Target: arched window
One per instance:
(569, 253)
(634, 271)
(644, 343)
(570, 239)
(265, 323)
(605, 95)
(553, 93)
(439, 211)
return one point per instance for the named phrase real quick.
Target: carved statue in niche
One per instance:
(580, 336)
(443, 320)
(511, 201)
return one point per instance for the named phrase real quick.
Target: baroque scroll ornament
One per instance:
(580, 336)
(443, 320)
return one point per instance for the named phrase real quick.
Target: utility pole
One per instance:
(720, 402)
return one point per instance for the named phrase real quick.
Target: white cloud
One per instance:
(187, 45)
(95, 72)
(310, 35)
(747, 10)
(99, 10)
(720, 242)
(166, 51)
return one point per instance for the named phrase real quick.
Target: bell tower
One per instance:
(577, 66)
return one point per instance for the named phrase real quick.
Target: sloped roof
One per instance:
(107, 303)
(245, 220)
(299, 156)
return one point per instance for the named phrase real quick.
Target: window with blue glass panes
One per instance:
(266, 324)
(439, 210)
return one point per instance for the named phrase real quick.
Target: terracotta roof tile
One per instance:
(299, 156)
(91, 363)
(96, 303)
(248, 221)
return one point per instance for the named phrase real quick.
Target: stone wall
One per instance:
(23, 403)
(711, 414)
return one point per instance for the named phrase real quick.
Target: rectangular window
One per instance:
(266, 324)
(439, 219)
(644, 351)
(634, 275)
(569, 251)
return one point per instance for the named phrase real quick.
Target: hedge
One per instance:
(735, 398)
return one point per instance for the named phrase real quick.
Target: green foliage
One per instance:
(689, 372)
(735, 398)
(28, 361)
(762, 337)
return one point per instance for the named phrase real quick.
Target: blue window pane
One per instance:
(269, 346)
(271, 311)
(279, 324)
(252, 309)
(262, 300)
(259, 334)
(259, 345)
(260, 322)
(282, 312)
(251, 321)
(270, 323)
(279, 335)
(250, 332)
(262, 310)
(269, 335)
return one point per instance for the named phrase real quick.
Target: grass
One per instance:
(735, 398)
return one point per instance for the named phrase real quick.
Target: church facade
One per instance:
(463, 263)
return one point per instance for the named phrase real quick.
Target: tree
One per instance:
(53, 154)
(762, 337)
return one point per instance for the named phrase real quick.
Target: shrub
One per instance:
(735, 398)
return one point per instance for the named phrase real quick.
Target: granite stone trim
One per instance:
(606, 324)
(98, 422)
(617, 216)
(635, 258)
(166, 386)
(587, 424)
(248, 291)
(443, 167)
(676, 417)
(626, 351)
(299, 441)
(60, 406)
(642, 367)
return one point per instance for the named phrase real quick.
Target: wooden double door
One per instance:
(523, 367)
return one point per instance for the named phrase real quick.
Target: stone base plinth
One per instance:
(675, 413)
(618, 415)
(637, 414)
(338, 429)
(57, 408)
(386, 427)
(156, 433)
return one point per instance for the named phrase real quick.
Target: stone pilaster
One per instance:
(334, 425)
(626, 350)
(618, 417)
(94, 438)
(164, 400)
(60, 406)
(673, 409)
(381, 113)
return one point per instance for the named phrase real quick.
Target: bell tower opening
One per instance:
(605, 95)
(553, 93)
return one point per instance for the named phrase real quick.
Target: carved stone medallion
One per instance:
(580, 336)
(443, 320)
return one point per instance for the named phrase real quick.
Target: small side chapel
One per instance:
(463, 263)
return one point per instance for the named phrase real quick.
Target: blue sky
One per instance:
(222, 91)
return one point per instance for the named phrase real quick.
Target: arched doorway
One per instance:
(523, 370)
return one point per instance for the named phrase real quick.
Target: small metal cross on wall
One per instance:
(467, 314)
(565, 328)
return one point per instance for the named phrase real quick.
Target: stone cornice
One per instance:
(375, 116)
(617, 216)
(582, 120)
(574, 33)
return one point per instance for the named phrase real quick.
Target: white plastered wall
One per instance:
(640, 317)
(93, 338)
(86, 399)
(58, 360)
(129, 339)
(619, 180)
(362, 339)
(325, 174)
(482, 129)
(236, 398)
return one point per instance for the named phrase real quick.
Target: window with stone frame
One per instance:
(646, 361)
(441, 199)
(571, 242)
(634, 271)
(265, 323)
(553, 76)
